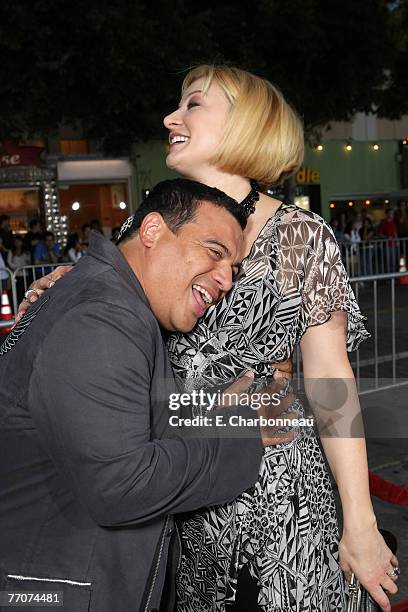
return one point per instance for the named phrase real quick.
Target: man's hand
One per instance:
(273, 408)
(38, 287)
(281, 400)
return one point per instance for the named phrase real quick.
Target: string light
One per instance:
(319, 147)
(351, 203)
(368, 202)
(55, 223)
(349, 147)
(122, 205)
(76, 206)
(332, 205)
(376, 146)
(405, 141)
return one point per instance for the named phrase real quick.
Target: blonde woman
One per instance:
(236, 132)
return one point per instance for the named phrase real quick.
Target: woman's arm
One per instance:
(331, 390)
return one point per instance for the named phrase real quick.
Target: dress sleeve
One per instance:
(326, 287)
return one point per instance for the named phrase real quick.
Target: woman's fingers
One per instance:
(38, 287)
(378, 594)
(283, 369)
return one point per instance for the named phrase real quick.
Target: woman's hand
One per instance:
(283, 369)
(362, 550)
(38, 287)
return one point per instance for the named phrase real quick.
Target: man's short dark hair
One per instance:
(49, 234)
(177, 201)
(33, 223)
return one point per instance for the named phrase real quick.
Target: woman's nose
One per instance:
(172, 120)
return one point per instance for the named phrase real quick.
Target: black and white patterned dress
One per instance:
(284, 528)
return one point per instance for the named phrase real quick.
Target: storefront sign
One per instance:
(13, 154)
(307, 175)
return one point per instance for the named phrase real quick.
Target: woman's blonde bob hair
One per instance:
(263, 137)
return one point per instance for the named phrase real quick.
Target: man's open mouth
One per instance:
(202, 299)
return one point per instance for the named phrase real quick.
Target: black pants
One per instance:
(247, 589)
(247, 594)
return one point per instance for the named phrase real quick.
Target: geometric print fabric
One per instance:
(284, 529)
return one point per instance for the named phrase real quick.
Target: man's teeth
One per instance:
(178, 139)
(206, 296)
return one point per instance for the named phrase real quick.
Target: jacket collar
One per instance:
(105, 250)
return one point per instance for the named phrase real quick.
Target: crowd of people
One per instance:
(39, 248)
(365, 242)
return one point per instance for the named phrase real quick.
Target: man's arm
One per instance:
(90, 398)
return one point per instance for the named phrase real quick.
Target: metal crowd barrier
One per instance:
(6, 283)
(20, 280)
(381, 256)
(377, 297)
(381, 362)
(387, 322)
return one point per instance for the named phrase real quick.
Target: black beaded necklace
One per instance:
(249, 202)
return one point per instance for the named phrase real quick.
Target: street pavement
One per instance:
(386, 412)
(388, 457)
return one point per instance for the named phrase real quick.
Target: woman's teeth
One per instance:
(178, 139)
(206, 296)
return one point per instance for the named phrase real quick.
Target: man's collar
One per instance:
(105, 250)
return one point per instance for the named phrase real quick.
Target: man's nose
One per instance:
(172, 120)
(223, 276)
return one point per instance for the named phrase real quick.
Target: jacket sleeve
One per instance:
(90, 399)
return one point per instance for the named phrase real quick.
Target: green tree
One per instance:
(114, 69)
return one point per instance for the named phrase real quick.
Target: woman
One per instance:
(292, 289)
(17, 258)
(74, 249)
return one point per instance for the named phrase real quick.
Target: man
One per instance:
(388, 229)
(33, 237)
(88, 480)
(5, 232)
(47, 251)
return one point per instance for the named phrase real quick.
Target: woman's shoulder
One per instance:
(303, 225)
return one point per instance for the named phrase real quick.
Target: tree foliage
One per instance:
(114, 68)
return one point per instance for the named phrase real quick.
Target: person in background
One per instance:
(96, 226)
(401, 219)
(337, 231)
(47, 252)
(18, 257)
(367, 230)
(388, 229)
(86, 230)
(4, 275)
(366, 248)
(74, 249)
(33, 237)
(343, 222)
(5, 232)
(353, 239)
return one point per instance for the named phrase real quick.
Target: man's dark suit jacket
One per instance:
(88, 484)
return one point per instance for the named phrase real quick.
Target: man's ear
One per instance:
(152, 228)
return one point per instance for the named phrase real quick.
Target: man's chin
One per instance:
(186, 326)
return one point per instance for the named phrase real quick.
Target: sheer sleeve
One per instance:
(326, 285)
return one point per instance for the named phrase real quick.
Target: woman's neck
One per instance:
(235, 186)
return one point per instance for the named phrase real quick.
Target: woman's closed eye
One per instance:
(192, 104)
